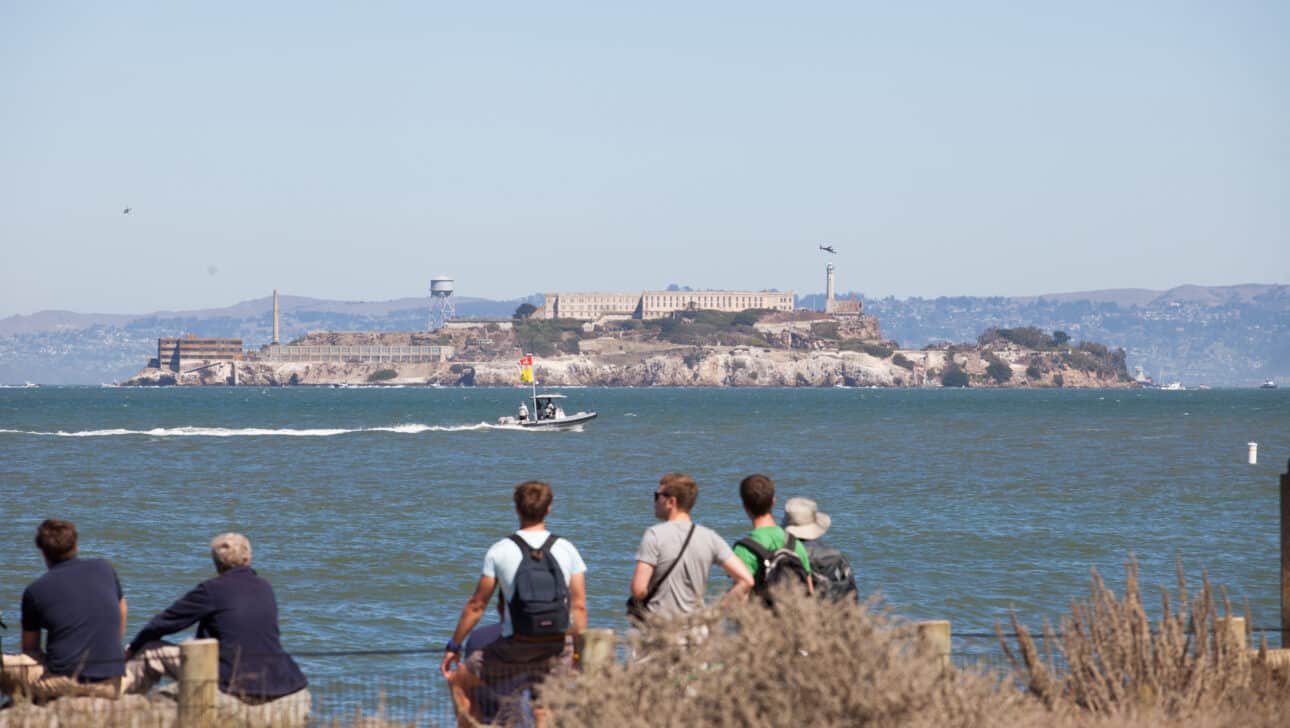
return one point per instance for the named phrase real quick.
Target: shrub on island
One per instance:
(954, 376)
(382, 375)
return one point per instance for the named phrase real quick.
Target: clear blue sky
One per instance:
(352, 151)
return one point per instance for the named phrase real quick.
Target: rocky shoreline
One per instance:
(713, 366)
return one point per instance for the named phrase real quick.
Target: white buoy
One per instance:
(1254, 453)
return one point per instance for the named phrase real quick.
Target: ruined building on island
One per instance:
(659, 304)
(656, 304)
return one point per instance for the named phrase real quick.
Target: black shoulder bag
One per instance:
(636, 610)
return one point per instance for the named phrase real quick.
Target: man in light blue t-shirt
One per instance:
(517, 653)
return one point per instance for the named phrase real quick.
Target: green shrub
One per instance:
(825, 330)
(999, 371)
(720, 319)
(543, 337)
(878, 351)
(1033, 372)
(1094, 348)
(954, 376)
(1059, 381)
(693, 358)
(382, 375)
(900, 361)
(1081, 360)
(748, 317)
(875, 350)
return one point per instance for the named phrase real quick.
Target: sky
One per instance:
(354, 151)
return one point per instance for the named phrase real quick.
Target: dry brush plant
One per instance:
(812, 663)
(1186, 667)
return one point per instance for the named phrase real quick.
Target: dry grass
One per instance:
(1119, 668)
(822, 665)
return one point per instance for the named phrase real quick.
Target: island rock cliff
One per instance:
(715, 366)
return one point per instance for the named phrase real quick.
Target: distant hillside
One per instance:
(1221, 336)
(1232, 336)
(63, 347)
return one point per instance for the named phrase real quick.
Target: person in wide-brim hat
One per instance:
(804, 520)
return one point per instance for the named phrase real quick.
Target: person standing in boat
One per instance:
(524, 412)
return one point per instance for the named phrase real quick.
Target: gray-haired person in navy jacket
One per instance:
(237, 608)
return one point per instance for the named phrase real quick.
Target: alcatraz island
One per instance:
(678, 338)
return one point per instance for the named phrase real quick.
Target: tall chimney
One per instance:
(828, 286)
(275, 313)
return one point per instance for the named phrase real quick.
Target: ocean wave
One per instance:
(411, 429)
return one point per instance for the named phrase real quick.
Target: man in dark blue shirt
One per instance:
(80, 606)
(239, 609)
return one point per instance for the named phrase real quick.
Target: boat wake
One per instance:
(413, 429)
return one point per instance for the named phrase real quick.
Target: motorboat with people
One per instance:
(1270, 384)
(547, 414)
(548, 409)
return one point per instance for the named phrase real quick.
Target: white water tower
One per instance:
(442, 308)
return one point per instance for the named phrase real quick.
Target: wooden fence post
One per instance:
(198, 681)
(1235, 627)
(935, 635)
(1285, 555)
(596, 649)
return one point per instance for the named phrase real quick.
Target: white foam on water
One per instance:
(409, 429)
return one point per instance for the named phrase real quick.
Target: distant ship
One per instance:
(1174, 387)
(1268, 385)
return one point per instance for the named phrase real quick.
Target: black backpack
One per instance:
(774, 568)
(831, 574)
(540, 599)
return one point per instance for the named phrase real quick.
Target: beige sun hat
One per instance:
(803, 520)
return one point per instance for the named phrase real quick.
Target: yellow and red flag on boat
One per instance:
(526, 369)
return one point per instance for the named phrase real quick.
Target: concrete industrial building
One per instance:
(656, 304)
(172, 353)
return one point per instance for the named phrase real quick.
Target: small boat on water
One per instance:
(548, 409)
(1268, 385)
(1174, 387)
(548, 414)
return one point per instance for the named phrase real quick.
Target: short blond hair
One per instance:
(229, 551)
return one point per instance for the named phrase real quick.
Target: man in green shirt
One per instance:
(758, 495)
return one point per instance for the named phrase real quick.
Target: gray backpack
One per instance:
(781, 566)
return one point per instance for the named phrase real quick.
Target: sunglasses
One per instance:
(658, 495)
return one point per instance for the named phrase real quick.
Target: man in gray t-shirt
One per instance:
(682, 591)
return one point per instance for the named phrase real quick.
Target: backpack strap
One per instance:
(790, 541)
(653, 590)
(760, 551)
(535, 553)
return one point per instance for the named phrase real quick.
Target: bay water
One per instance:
(370, 509)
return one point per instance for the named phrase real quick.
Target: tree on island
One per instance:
(954, 376)
(524, 310)
(999, 371)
